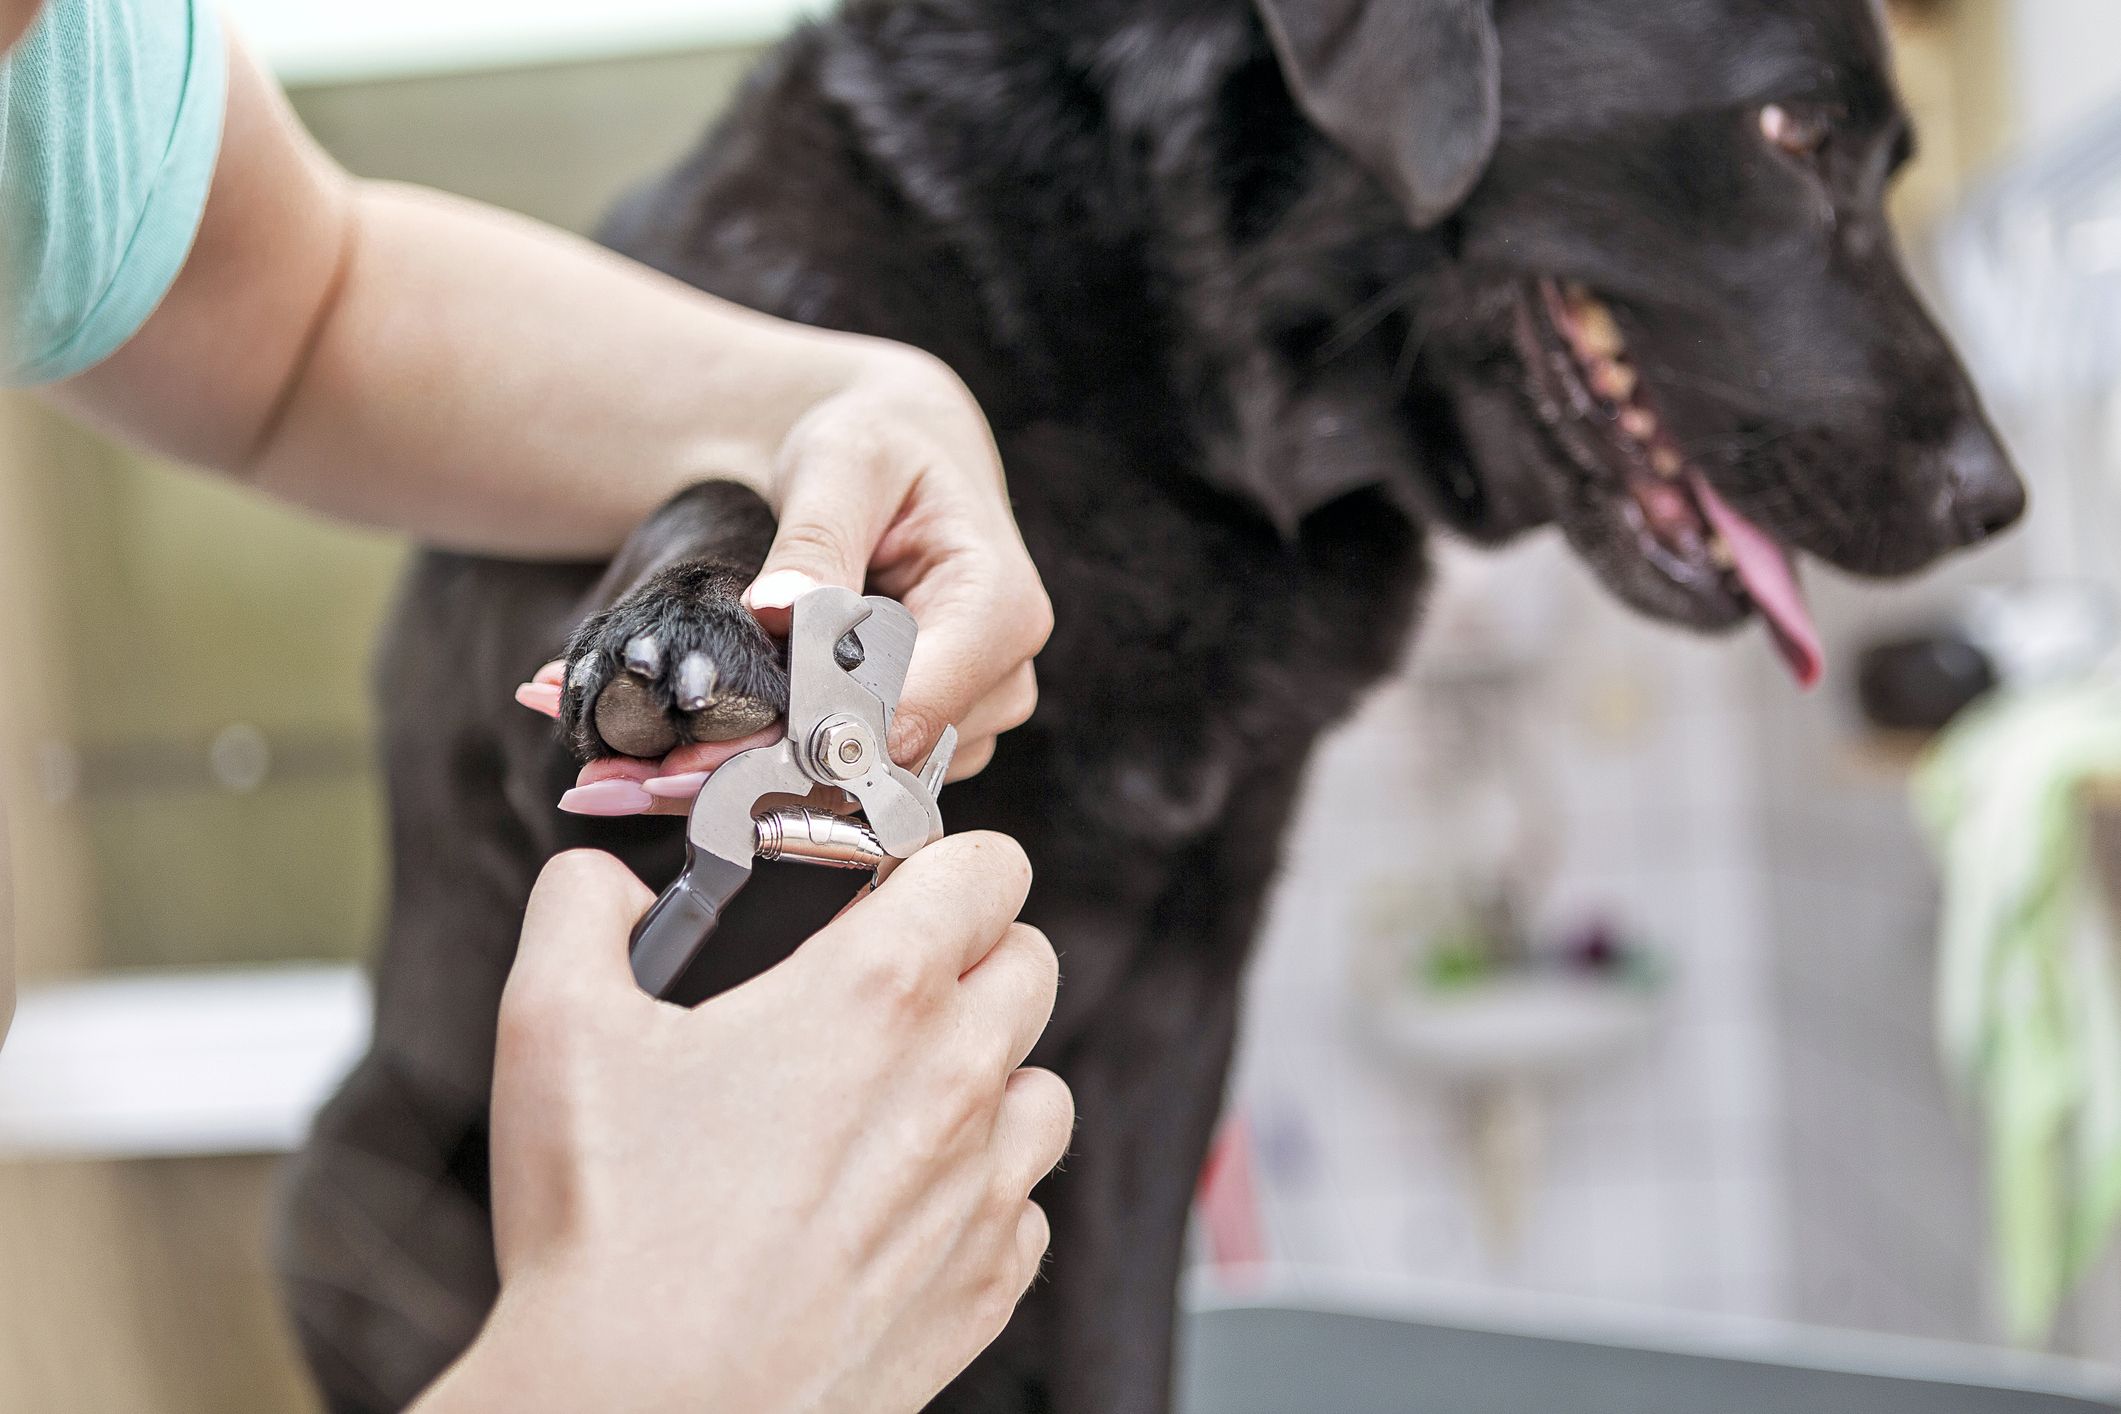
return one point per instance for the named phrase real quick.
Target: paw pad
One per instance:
(679, 660)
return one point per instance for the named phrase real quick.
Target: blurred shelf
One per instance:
(189, 1064)
(319, 42)
(1514, 1028)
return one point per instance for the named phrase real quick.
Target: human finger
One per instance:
(1009, 994)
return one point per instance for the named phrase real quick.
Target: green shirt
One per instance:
(110, 121)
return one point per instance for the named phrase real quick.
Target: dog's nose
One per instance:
(1982, 494)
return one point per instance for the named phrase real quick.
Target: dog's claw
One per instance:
(696, 681)
(678, 660)
(644, 656)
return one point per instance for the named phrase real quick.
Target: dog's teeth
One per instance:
(1666, 462)
(1615, 380)
(1720, 554)
(584, 669)
(1597, 333)
(697, 679)
(644, 656)
(1639, 423)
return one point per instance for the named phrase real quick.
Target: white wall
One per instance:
(328, 41)
(2066, 62)
(1660, 1182)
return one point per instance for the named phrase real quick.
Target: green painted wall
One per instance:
(187, 608)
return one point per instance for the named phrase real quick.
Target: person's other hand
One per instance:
(810, 1193)
(890, 486)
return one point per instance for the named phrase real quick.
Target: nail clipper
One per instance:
(797, 799)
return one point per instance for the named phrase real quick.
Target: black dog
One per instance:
(1256, 293)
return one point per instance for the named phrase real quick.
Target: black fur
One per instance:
(1240, 352)
(662, 590)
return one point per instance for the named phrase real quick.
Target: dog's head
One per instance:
(1670, 316)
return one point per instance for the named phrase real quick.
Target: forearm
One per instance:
(480, 380)
(408, 360)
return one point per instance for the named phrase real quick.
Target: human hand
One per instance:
(810, 1193)
(890, 485)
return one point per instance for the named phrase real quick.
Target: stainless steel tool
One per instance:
(796, 799)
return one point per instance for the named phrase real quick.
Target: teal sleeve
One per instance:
(110, 123)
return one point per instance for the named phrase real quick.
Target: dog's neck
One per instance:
(1298, 278)
(1168, 218)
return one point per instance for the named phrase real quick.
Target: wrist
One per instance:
(912, 375)
(566, 1347)
(520, 1363)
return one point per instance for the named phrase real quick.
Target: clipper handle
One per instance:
(672, 933)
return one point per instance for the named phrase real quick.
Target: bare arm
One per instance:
(409, 360)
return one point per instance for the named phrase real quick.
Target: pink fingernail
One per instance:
(540, 697)
(780, 589)
(607, 798)
(683, 787)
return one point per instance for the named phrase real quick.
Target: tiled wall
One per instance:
(1888, 1229)
(1888, 1223)
(1659, 1180)
(1785, 1143)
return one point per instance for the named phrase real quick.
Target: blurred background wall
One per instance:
(1754, 1125)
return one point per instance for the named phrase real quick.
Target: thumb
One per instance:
(830, 524)
(575, 930)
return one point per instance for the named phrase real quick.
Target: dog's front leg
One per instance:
(667, 654)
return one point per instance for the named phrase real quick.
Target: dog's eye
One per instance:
(1799, 132)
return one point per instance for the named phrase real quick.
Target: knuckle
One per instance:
(1035, 617)
(895, 977)
(1007, 1277)
(1036, 1231)
(1015, 700)
(815, 546)
(1039, 951)
(931, 1149)
(994, 1303)
(1056, 1103)
(972, 758)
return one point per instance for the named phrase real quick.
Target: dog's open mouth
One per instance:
(1592, 397)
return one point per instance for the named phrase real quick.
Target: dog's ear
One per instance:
(1411, 89)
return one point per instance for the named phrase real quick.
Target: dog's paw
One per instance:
(678, 660)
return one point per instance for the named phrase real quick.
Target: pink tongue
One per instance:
(1765, 569)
